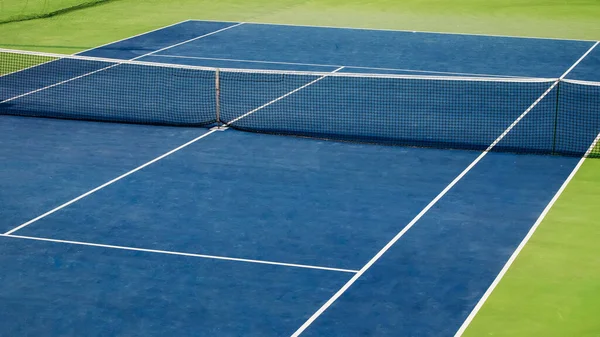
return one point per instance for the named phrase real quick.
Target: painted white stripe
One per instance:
(190, 40)
(107, 184)
(334, 65)
(523, 115)
(516, 253)
(112, 66)
(289, 72)
(155, 160)
(106, 44)
(166, 252)
(402, 30)
(57, 84)
(246, 61)
(133, 36)
(366, 267)
(579, 61)
(281, 97)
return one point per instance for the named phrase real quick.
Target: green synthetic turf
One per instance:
(553, 289)
(86, 28)
(11, 10)
(89, 27)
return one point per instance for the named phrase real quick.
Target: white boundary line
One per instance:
(579, 60)
(57, 84)
(104, 45)
(278, 99)
(379, 254)
(190, 40)
(414, 221)
(399, 30)
(248, 61)
(117, 64)
(166, 252)
(10, 232)
(524, 242)
(532, 230)
(281, 97)
(133, 36)
(107, 183)
(287, 72)
(335, 66)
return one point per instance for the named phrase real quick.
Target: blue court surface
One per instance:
(126, 229)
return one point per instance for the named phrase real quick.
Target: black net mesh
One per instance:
(542, 116)
(467, 114)
(578, 118)
(103, 90)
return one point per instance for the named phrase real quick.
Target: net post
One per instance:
(218, 97)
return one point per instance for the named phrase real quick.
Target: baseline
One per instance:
(404, 30)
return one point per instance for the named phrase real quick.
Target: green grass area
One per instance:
(89, 27)
(12, 62)
(553, 289)
(11, 10)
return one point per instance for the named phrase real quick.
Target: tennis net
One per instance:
(543, 116)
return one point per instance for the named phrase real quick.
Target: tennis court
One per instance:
(174, 220)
